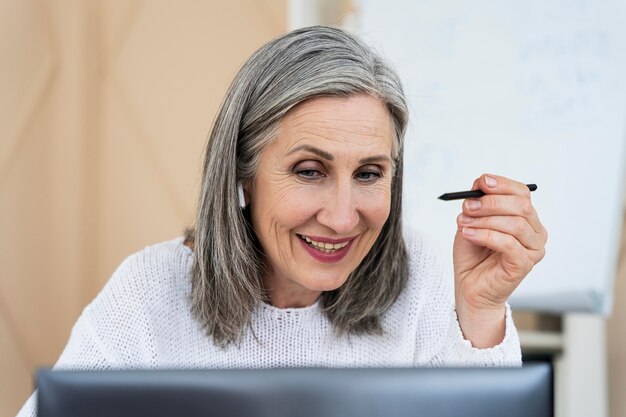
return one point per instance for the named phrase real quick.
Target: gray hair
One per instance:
(228, 266)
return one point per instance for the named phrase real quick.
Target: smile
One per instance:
(326, 250)
(326, 247)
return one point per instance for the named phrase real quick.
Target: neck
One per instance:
(281, 295)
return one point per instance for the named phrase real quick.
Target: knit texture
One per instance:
(142, 319)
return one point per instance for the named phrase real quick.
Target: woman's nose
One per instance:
(339, 211)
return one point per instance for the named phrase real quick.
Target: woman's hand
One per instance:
(499, 239)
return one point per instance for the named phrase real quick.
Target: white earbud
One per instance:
(242, 198)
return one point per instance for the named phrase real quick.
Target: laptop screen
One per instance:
(304, 392)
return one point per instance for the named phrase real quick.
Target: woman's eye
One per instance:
(309, 170)
(368, 176)
(309, 173)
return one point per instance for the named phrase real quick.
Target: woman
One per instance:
(298, 257)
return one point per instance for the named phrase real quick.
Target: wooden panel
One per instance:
(31, 293)
(103, 116)
(15, 383)
(159, 107)
(25, 73)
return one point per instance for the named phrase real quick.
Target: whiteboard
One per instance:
(531, 90)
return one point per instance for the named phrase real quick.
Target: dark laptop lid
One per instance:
(305, 392)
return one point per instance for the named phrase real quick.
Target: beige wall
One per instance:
(104, 110)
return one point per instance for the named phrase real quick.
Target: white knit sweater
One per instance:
(142, 319)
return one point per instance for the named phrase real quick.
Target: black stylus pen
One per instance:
(473, 194)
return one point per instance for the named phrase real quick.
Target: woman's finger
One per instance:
(516, 258)
(496, 184)
(503, 205)
(515, 226)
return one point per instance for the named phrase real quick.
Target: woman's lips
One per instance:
(327, 239)
(325, 249)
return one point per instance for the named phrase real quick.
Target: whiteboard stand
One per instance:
(578, 354)
(581, 369)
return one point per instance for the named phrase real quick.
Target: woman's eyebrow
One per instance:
(327, 156)
(312, 149)
(374, 159)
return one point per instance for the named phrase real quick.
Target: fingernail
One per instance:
(491, 182)
(465, 219)
(468, 231)
(472, 204)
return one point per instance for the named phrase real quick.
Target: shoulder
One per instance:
(148, 291)
(157, 262)
(156, 272)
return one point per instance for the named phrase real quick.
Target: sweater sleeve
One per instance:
(83, 352)
(447, 345)
(458, 351)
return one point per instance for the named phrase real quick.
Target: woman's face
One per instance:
(321, 195)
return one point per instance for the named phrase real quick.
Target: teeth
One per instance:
(323, 246)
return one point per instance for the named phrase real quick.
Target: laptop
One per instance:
(302, 392)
